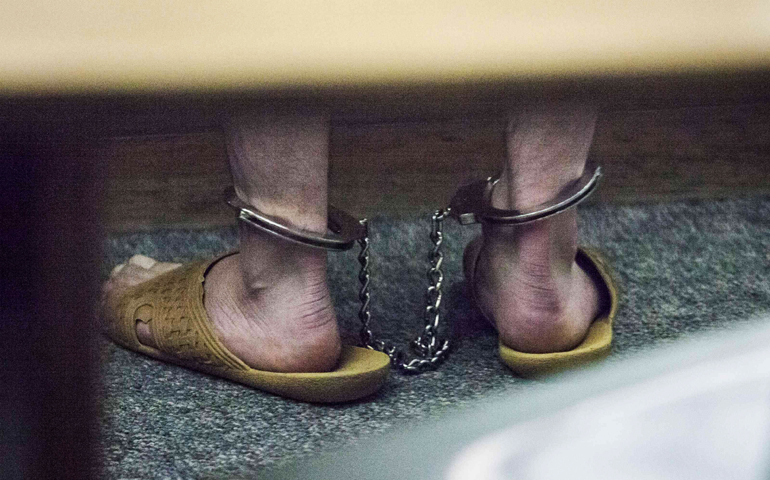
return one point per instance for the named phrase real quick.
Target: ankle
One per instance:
(546, 247)
(287, 326)
(268, 260)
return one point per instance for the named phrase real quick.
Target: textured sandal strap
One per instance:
(179, 324)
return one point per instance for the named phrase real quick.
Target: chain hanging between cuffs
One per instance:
(429, 349)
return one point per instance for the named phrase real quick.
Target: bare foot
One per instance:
(527, 283)
(269, 305)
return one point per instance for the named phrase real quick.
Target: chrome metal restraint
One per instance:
(342, 232)
(473, 203)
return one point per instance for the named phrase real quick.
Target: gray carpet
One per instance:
(683, 268)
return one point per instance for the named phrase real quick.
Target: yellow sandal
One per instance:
(185, 337)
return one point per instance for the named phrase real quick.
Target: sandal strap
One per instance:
(179, 324)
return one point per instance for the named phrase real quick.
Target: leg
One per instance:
(526, 278)
(270, 305)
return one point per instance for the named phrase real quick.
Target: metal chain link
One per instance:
(429, 349)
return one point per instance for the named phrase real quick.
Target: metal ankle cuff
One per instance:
(473, 203)
(342, 229)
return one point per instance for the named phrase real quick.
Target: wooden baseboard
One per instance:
(397, 168)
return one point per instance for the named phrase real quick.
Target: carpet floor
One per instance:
(682, 267)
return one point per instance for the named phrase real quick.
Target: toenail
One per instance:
(142, 261)
(117, 269)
